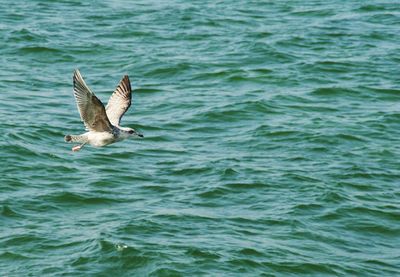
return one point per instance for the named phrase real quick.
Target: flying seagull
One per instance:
(102, 124)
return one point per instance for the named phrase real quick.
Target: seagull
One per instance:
(102, 124)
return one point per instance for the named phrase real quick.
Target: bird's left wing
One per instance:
(120, 101)
(90, 107)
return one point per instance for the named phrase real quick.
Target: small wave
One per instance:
(306, 208)
(108, 253)
(192, 171)
(203, 129)
(313, 13)
(25, 35)
(384, 93)
(165, 271)
(390, 215)
(373, 228)
(245, 185)
(391, 117)
(7, 255)
(199, 253)
(334, 91)
(168, 71)
(155, 188)
(6, 211)
(237, 111)
(387, 18)
(247, 265)
(333, 197)
(303, 177)
(79, 198)
(307, 268)
(215, 74)
(279, 135)
(214, 193)
(334, 66)
(21, 150)
(177, 216)
(17, 239)
(259, 222)
(372, 8)
(39, 50)
(146, 90)
(349, 137)
(251, 252)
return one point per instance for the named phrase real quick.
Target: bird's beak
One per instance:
(140, 135)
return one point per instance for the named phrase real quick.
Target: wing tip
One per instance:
(77, 75)
(126, 79)
(76, 72)
(127, 82)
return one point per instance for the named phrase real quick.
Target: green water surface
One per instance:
(272, 139)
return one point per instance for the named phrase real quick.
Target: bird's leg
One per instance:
(78, 147)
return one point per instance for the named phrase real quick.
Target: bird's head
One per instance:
(132, 133)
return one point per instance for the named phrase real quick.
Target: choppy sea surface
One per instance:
(272, 139)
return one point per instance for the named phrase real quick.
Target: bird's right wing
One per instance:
(91, 109)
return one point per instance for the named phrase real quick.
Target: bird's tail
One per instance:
(73, 138)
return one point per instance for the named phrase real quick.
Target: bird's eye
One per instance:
(130, 132)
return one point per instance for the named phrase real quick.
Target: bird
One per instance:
(102, 123)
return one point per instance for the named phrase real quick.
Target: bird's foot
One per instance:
(77, 148)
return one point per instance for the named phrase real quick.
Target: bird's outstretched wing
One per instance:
(120, 101)
(92, 111)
